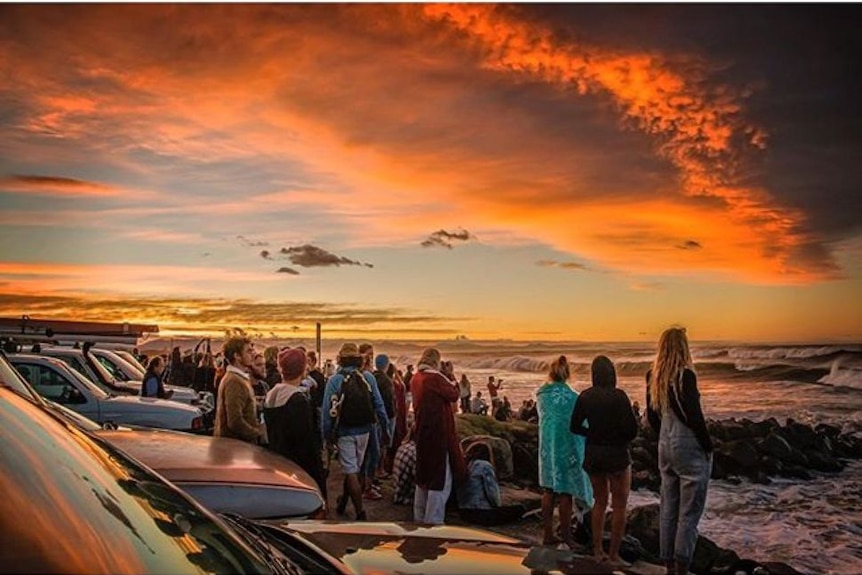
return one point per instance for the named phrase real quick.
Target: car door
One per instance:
(51, 384)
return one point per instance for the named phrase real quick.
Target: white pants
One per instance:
(429, 506)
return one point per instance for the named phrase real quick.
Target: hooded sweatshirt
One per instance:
(607, 411)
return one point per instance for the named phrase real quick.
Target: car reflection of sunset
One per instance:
(455, 557)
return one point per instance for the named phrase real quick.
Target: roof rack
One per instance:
(31, 330)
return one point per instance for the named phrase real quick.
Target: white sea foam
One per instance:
(815, 526)
(843, 376)
(773, 353)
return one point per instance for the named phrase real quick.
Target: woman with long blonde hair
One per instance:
(684, 448)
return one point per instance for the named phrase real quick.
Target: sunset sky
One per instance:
(551, 172)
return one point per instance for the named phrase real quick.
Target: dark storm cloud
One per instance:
(444, 239)
(803, 76)
(309, 256)
(286, 270)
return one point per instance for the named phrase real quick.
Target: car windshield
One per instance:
(120, 363)
(115, 371)
(103, 373)
(131, 359)
(10, 377)
(72, 373)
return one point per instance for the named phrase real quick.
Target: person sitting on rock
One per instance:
(478, 405)
(504, 410)
(479, 500)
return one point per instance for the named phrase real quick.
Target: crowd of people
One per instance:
(380, 422)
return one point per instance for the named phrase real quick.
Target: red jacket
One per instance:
(434, 400)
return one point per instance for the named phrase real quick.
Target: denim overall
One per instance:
(685, 470)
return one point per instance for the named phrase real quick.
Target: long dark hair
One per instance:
(152, 364)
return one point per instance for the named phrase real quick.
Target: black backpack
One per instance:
(357, 407)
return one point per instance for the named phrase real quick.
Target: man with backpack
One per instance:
(351, 402)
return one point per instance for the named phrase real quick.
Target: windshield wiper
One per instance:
(260, 540)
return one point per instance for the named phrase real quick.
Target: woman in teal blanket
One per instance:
(561, 454)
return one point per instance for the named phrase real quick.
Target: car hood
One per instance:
(408, 548)
(136, 403)
(186, 458)
(179, 391)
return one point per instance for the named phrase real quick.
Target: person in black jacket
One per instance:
(288, 414)
(684, 448)
(604, 415)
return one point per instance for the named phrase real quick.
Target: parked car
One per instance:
(224, 475)
(56, 381)
(360, 548)
(74, 503)
(118, 366)
(128, 356)
(87, 362)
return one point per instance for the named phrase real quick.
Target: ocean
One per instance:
(815, 526)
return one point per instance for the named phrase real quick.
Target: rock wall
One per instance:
(743, 449)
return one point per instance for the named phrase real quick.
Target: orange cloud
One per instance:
(55, 186)
(399, 120)
(700, 131)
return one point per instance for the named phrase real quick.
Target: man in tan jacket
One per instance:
(235, 411)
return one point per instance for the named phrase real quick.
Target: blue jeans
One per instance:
(685, 470)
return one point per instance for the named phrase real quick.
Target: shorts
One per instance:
(606, 458)
(351, 451)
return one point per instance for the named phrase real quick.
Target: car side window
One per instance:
(50, 384)
(78, 365)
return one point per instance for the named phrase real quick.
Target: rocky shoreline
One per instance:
(744, 450)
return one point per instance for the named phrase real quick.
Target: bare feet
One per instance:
(552, 541)
(618, 562)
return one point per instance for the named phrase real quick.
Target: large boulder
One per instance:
(643, 523)
(820, 461)
(502, 453)
(799, 435)
(710, 558)
(525, 460)
(775, 446)
(742, 453)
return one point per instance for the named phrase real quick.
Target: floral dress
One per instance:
(561, 452)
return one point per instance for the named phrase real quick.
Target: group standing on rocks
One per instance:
(359, 412)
